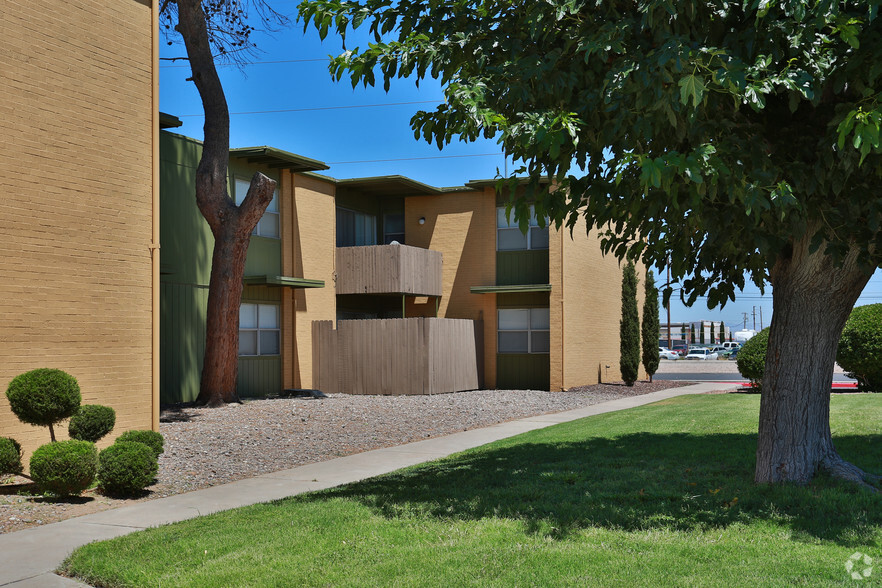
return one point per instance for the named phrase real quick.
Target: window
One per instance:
(523, 330)
(355, 228)
(259, 329)
(393, 227)
(510, 238)
(268, 225)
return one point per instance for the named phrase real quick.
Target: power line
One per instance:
(322, 108)
(173, 65)
(414, 158)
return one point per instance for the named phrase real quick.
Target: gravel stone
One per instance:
(210, 446)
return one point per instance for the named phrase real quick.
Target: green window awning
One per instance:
(511, 289)
(283, 281)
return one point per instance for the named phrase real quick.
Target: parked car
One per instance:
(731, 345)
(665, 353)
(701, 353)
(721, 351)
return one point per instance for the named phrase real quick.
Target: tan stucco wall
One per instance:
(586, 308)
(308, 216)
(76, 182)
(457, 223)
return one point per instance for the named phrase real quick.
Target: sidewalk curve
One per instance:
(28, 557)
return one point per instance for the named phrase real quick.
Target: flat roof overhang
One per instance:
(283, 282)
(277, 158)
(510, 289)
(394, 185)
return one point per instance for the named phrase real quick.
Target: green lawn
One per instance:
(660, 495)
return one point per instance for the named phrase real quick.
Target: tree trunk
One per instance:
(812, 300)
(231, 225)
(221, 362)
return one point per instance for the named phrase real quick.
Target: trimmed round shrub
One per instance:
(64, 468)
(860, 347)
(126, 467)
(91, 422)
(751, 358)
(10, 457)
(43, 396)
(151, 439)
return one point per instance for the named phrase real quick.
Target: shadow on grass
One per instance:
(635, 482)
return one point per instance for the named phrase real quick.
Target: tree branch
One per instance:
(211, 174)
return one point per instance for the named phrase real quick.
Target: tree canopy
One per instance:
(733, 138)
(711, 130)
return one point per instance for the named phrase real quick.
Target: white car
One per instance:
(665, 353)
(701, 353)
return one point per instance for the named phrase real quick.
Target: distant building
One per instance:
(681, 333)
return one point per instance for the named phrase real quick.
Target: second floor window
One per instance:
(355, 228)
(510, 238)
(268, 225)
(393, 227)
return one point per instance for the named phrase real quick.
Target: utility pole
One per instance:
(754, 318)
(668, 305)
(745, 320)
(761, 318)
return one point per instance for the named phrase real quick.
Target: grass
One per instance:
(660, 495)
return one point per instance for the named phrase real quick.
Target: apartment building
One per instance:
(335, 264)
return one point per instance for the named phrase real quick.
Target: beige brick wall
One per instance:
(308, 251)
(457, 223)
(76, 152)
(586, 304)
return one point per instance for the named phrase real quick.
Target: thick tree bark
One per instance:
(812, 299)
(230, 225)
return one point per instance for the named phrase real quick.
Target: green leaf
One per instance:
(691, 86)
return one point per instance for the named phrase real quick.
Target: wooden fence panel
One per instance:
(324, 357)
(396, 356)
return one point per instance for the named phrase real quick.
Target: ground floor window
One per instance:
(523, 330)
(259, 329)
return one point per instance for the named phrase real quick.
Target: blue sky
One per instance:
(287, 100)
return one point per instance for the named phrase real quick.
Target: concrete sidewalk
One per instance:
(28, 557)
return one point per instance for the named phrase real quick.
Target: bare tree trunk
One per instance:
(230, 225)
(812, 300)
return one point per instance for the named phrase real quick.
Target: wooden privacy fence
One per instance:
(396, 356)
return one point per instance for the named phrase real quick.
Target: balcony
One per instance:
(388, 269)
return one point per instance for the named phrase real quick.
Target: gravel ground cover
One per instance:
(205, 447)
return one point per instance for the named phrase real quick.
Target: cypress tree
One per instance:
(722, 331)
(713, 334)
(692, 333)
(650, 326)
(629, 328)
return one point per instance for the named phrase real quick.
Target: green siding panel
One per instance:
(181, 341)
(185, 237)
(259, 376)
(522, 300)
(261, 294)
(264, 257)
(521, 267)
(523, 371)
